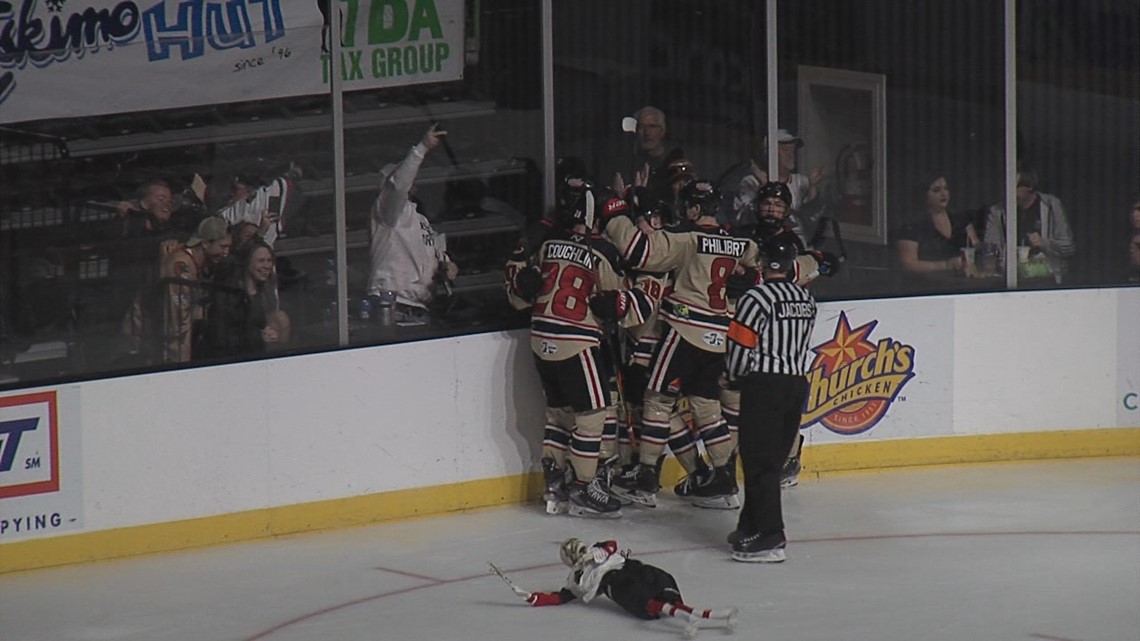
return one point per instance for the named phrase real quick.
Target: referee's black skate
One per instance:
(639, 485)
(790, 474)
(590, 500)
(720, 492)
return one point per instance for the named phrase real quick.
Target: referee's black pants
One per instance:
(771, 406)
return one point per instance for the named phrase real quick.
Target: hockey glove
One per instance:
(828, 263)
(739, 283)
(544, 598)
(610, 305)
(528, 283)
(613, 208)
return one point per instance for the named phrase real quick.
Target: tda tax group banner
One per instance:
(69, 58)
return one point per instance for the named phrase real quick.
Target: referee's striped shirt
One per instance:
(770, 331)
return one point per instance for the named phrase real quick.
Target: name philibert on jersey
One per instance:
(722, 246)
(570, 252)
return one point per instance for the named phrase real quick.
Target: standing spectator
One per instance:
(1041, 225)
(932, 242)
(407, 253)
(768, 340)
(184, 272)
(652, 154)
(151, 214)
(263, 205)
(244, 314)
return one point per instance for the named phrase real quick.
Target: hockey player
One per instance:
(643, 590)
(775, 200)
(690, 356)
(572, 266)
(652, 215)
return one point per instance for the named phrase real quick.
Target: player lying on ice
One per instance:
(643, 590)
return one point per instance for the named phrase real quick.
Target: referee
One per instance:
(767, 347)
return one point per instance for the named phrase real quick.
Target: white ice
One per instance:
(1036, 551)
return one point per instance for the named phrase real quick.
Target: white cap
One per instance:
(784, 136)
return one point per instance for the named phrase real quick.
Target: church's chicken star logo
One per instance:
(852, 381)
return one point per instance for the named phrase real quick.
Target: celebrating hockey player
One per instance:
(775, 200)
(689, 358)
(572, 266)
(643, 590)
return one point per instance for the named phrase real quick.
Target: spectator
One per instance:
(1042, 225)
(184, 271)
(244, 314)
(408, 255)
(264, 205)
(652, 154)
(1134, 246)
(151, 214)
(932, 242)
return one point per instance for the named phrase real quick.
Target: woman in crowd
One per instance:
(244, 315)
(932, 242)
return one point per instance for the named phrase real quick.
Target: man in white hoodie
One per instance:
(407, 253)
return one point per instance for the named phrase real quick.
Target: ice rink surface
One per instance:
(1039, 551)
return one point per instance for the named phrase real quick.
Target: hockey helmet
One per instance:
(572, 550)
(576, 202)
(775, 190)
(643, 203)
(702, 194)
(779, 252)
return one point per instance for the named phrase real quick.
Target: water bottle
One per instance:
(385, 309)
(366, 309)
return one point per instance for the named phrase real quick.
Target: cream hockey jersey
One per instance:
(701, 259)
(574, 269)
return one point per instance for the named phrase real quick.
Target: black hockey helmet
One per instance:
(575, 204)
(703, 194)
(779, 252)
(775, 190)
(643, 203)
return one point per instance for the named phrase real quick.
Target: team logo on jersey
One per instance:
(713, 339)
(853, 381)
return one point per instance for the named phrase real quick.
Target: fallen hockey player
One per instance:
(643, 590)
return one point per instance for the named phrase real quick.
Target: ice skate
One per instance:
(590, 500)
(790, 475)
(639, 485)
(719, 492)
(555, 494)
(685, 486)
(756, 548)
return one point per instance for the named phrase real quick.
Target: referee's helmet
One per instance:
(779, 252)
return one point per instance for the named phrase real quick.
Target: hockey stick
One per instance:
(511, 584)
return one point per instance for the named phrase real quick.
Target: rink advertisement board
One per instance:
(1128, 374)
(874, 372)
(39, 459)
(68, 58)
